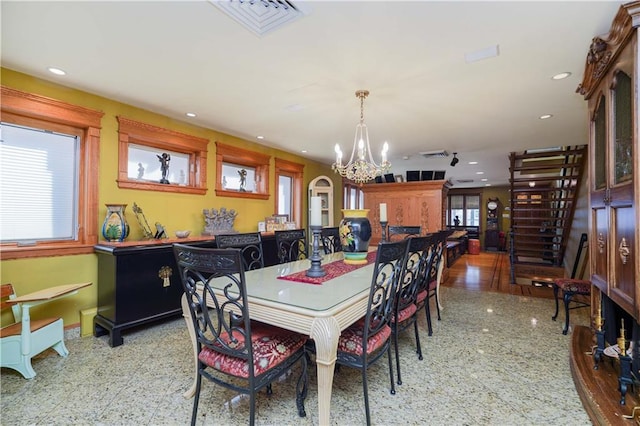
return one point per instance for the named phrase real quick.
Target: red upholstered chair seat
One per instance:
(271, 346)
(351, 339)
(433, 284)
(573, 285)
(423, 294)
(405, 314)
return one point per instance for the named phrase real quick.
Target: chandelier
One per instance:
(361, 167)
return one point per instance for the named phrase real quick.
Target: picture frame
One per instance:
(399, 178)
(276, 222)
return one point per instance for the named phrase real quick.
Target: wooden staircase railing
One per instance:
(544, 190)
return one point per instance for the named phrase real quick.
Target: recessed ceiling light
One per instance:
(191, 114)
(484, 179)
(56, 71)
(304, 151)
(473, 162)
(260, 137)
(561, 76)
(487, 184)
(544, 117)
(479, 173)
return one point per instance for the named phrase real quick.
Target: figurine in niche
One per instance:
(243, 180)
(164, 166)
(140, 170)
(456, 221)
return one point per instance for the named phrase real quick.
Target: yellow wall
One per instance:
(173, 210)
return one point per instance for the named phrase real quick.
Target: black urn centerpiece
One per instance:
(355, 234)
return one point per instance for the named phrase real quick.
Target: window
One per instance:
(38, 171)
(157, 159)
(353, 196)
(54, 147)
(234, 165)
(465, 207)
(285, 195)
(289, 196)
(238, 178)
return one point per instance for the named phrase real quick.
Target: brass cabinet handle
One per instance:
(624, 251)
(165, 275)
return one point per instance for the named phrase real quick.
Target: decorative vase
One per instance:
(115, 226)
(355, 233)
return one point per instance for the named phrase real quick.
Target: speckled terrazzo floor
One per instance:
(494, 359)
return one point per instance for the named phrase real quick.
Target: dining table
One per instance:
(320, 309)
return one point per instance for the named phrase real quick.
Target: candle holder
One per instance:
(625, 379)
(384, 230)
(316, 269)
(600, 342)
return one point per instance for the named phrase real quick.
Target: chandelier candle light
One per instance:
(315, 223)
(361, 167)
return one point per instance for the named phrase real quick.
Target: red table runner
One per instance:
(333, 269)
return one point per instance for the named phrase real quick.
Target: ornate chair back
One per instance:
(405, 307)
(397, 232)
(233, 351)
(291, 245)
(364, 342)
(250, 245)
(331, 240)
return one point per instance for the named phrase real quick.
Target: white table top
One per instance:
(263, 284)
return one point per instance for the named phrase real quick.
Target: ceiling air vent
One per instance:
(464, 180)
(260, 16)
(435, 154)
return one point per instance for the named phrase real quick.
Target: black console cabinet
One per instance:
(139, 284)
(136, 285)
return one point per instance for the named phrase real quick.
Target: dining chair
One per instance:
(331, 240)
(291, 245)
(396, 232)
(364, 342)
(225, 356)
(250, 245)
(574, 285)
(428, 288)
(405, 310)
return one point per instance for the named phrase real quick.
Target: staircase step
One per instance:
(549, 205)
(576, 151)
(532, 272)
(544, 179)
(556, 166)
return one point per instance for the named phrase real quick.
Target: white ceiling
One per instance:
(296, 85)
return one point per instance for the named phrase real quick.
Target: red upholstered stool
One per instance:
(570, 287)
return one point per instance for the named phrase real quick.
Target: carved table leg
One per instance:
(325, 332)
(192, 335)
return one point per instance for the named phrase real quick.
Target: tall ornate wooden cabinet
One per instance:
(408, 203)
(610, 85)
